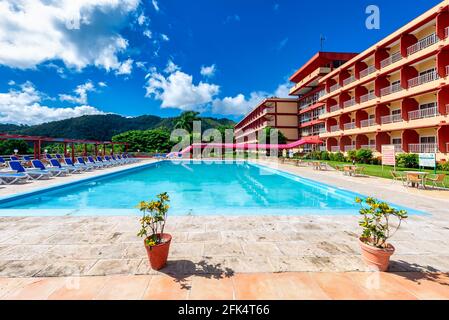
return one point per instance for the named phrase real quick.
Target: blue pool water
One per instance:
(202, 188)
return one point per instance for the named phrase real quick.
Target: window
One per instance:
(395, 112)
(372, 116)
(372, 142)
(396, 83)
(396, 141)
(428, 139)
(427, 106)
(433, 70)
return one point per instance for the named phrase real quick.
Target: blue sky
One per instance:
(59, 59)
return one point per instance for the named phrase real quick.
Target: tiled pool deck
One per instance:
(315, 252)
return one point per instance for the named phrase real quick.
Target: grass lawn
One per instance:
(377, 171)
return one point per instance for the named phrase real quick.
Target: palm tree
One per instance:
(186, 119)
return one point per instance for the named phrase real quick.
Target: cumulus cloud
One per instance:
(79, 33)
(171, 67)
(208, 71)
(147, 33)
(24, 106)
(142, 19)
(164, 37)
(125, 68)
(241, 105)
(80, 96)
(177, 90)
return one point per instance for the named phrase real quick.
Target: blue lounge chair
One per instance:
(14, 158)
(27, 158)
(122, 159)
(111, 161)
(81, 167)
(57, 172)
(48, 156)
(2, 162)
(32, 174)
(104, 163)
(81, 162)
(94, 163)
(71, 169)
(116, 159)
(58, 156)
(12, 178)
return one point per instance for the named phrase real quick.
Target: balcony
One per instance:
(367, 97)
(367, 123)
(349, 103)
(335, 87)
(391, 119)
(335, 149)
(369, 147)
(349, 126)
(349, 148)
(395, 57)
(398, 148)
(425, 78)
(391, 89)
(334, 128)
(367, 71)
(422, 44)
(349, 80)
(423, 113)
(334, 108)
(423, 148)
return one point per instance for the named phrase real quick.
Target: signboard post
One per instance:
(428, 160)
(388, 156)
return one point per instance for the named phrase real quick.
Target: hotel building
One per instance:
(396, 92)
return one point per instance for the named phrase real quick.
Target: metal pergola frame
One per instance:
(37, 142)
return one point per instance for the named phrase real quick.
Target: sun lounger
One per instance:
(12, 178)
(82, 167)
(120, 161)
(31, 173)
(57, 172)
(92, 165)
(70, 169)
(14, 158)
(109, 160)
(95, 163)
(103, 162)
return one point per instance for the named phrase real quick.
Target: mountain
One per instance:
(103, 127)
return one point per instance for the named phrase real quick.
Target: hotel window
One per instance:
(432, 70)
(427, 106)
(430, 140)
(372, 142)
(396, 111)
(396, 141)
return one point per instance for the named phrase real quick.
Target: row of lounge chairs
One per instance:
(34, 169)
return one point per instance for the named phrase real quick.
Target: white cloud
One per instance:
(79, 33)
(165, 37)
(125, 68)
(11, 82)
(23, 106)
(81, 94)
(177, 90)
(142, 19)
(208, 71)
(102, 84)
(241, 105)
(147, 33)
(171, 67)
(155, 5)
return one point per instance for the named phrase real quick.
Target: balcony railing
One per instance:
(349, 103)
(334, 88)
(367, 123)
(367, 71)
(391, 89)
(334, 108)
(423, 113)
(423, 148)
(335, 149)
(395, 57)
(391, 119)
(369, 146)
(349, 126)
(349, 80)
(398, 148)
(422, 44)
(425, 78)
(334, 128)
(367, 97)
(349, 148)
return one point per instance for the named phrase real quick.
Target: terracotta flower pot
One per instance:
(376, 258)
(158, 255)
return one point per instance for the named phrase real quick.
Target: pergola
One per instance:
(37, 142)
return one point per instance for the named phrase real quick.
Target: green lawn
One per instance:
(377, 171)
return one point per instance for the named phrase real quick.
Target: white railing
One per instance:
(349, 103)
(398, 148)
(423, 148)
(390, 89)
(367, 123)
(322, 148)
(422, 44)
(367, 71)
(349, 80)
(335, 149)
(349, 148)
(349, 126)
(368, 146)
(423, 113)
(367, 97)
(322, 93)
(391, 119)
(334, 128)
(425, 78)
(334, 108)
(334, 87)
(395, 57)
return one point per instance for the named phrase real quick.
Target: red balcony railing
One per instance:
(425, 78)
(395, 57)
(422, 44)
(423, 113)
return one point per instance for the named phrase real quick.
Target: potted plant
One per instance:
(157, 243)
(377, 230)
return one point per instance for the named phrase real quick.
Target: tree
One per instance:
(186, 119)
(157, 140)
(7, 147)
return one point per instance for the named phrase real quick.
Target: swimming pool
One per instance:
(195, 188)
